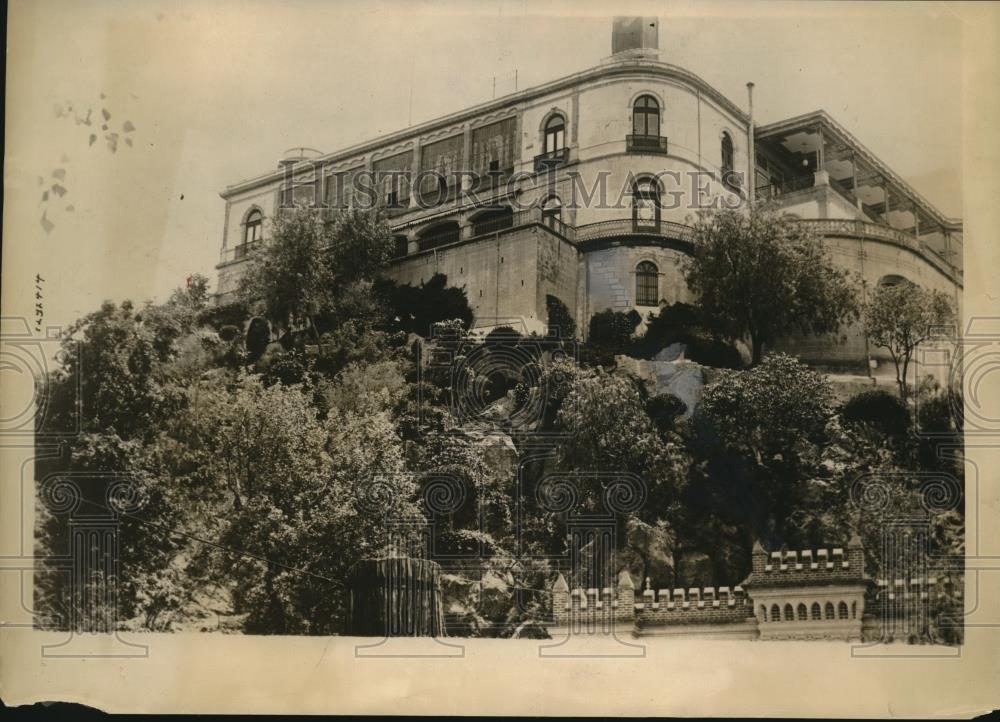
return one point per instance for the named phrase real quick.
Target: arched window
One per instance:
(551, 211)
(493, 220)
(892, 280)
(816, 613)
(253, 227)
(730, 179)
(647, 284)
(727, 153)
(646, 203)
(439, 235)
(842, 610)
(555, 134)
(763, 613)
(829, 610)
(775, 613)
(789, 613)
(854, 610)
(646, 116)
(802, 613)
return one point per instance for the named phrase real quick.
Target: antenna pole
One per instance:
(752, 160)
(409, 119)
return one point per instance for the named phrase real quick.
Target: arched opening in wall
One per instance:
(253, 232)
(440, 234)
(815, 612)
(763, 613)
(775, 613)
(842, 610)
(647, 284)
(893, 280)
(491, 221)
(803, 614)
(646, 205)
(829, 610)
(854, 610)
(646, 117)
(552, 212)
(728, 155)
(400, 246)
(730, 179)
(789, 613)
(555, 135)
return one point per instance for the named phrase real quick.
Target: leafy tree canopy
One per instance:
(899, 317)
(764, 275)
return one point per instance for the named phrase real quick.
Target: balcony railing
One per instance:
(631, 227)
(864, 229)
(646, 144)
(769, 192)
(438, 194)
(499, 222)
(238, 253)
(625, 227)
(552, 159)
(491, 179)
(440, 238)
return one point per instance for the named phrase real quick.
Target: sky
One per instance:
(216, 91)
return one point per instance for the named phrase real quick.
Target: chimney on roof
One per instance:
(633, 37)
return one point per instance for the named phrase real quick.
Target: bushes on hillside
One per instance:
(560, 320)
(687, 324)
(879, 409)
(610, 335)
(415, 309)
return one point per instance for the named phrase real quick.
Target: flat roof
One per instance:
(625, 66)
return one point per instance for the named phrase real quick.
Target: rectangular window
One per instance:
(555, 141)
(638, 124)
(392, 176)
(340, 188)
(494, 142)
(646, 291)
(443, 157)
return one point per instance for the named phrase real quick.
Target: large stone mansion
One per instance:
(584, 188)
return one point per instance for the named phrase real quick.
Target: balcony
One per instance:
(239, 252)
(551, 160)
(435, 195)
(634, 227)
(492, 179)
(646, 144)
(775, 190)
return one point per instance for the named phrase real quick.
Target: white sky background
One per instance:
(218, 89)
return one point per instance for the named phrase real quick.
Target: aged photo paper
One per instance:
(493, 357)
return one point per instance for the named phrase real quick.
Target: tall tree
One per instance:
(757, 431)
(901, 316)
(287, 276)
(764, 275)
(312, 266)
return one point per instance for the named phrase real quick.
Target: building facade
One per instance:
(586, 188)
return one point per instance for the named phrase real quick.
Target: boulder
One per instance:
(496, 595)
(680, 377)
(673, 352)
(460, 613)
(498, 451)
